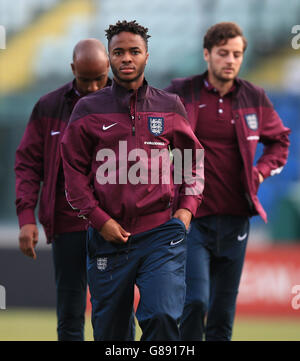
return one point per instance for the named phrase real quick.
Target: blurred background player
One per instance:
(38, 167)
(133, 237)
(229, 116)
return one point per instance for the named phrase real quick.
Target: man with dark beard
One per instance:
(229, 117)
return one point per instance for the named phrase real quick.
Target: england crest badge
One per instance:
(101, 263)
(156, 125)
(252, 121)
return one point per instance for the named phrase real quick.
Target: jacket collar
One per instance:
(204, 82)
(71, 90)
(121, 92)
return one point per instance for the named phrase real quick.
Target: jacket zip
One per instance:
(133, 111)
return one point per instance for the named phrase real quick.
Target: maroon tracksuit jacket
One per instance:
(144, 120)
(255, 121)
(38, 161)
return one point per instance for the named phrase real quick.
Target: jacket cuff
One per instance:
(263, 169)
(26, 216)
(97, 218)
(189, 202)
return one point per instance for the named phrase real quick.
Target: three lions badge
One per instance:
(252, 121)
(156, 125)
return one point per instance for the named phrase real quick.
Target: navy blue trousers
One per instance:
(155, 262)
(215, 258)
(69, 257)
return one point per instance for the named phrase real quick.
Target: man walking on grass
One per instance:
(134, 236)
(229, 117)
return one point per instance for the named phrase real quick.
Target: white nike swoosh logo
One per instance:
(107, 127)
(173, 243)
(241, 238)
(253, 137)
(202, 105)
(54, 133)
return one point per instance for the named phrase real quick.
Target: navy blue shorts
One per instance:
(155, 262)
(69, 258)
(215, 258)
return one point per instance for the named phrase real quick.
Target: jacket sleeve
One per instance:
(171, 88)
(187, 151)
(77, 149)
(29, 168)
(176, 88)
(275, 138)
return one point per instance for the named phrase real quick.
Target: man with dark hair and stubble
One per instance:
(229, 117)
(134, 236)
(38, 167)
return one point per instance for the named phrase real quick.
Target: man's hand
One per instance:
(28, 239)
(260, 177)
(112, 231)
(184, 215)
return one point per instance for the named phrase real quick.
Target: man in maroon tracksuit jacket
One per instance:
(122, 136)
(229, 116)
(38, 165)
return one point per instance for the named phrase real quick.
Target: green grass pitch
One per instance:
(40, 325)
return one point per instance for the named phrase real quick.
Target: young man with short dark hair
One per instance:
(229, 117)
(120, 134)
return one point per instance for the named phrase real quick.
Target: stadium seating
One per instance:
(26, 10)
